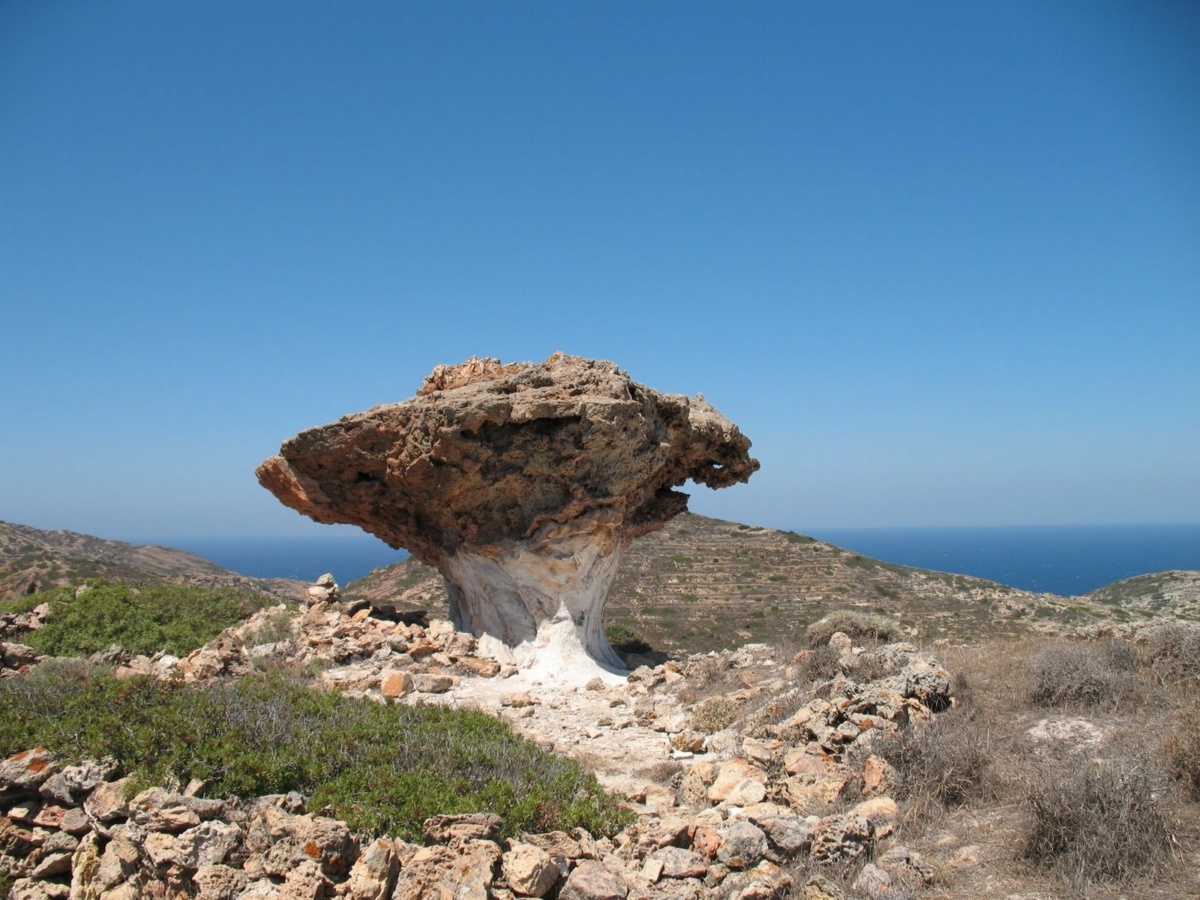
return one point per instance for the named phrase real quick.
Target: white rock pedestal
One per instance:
(539, 603)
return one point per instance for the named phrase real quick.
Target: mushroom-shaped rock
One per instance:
(521, 484)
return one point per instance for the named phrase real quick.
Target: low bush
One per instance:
(713, 715)
(382, 768)
(859, 626)
(818, 664)
(1065, 674)
(1099, 822)
(1173, 652)
(1182, 750)
(946, 761)
(143, 620)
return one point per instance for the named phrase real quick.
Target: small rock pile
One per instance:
(15, 657)
(73, 832)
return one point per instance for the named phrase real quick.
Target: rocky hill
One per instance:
(702, 584)
(1175, 593)
(32, 560)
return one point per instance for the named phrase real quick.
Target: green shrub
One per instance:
(174, 618)
(382, 768)
(1099, 822)
(857, 625)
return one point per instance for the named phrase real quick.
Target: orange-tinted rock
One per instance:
(521, 483)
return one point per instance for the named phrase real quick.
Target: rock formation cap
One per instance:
(488, 452)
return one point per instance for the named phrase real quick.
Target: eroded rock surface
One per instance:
(521, 484)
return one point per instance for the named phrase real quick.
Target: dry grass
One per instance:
(859, 626)
(1182, 750)
(1100, 822)
(1172, 652)
(945, 762)
(713, 715)
(1047, 822)
(1084, 675)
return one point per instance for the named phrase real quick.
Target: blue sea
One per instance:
(1062, 559)
(1067, 560)
(347, 557)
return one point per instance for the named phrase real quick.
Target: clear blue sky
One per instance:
(939, 260)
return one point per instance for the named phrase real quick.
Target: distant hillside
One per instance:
(1175, 593)
(33, 560)
(702, 583)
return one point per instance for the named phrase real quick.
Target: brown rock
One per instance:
(14, 656)
(680, 863)
(52, 864)
(33, 889)
(693, 790)
(49, 816)
(593, 881)
(467, 826)
(117, 861)
(809, 794)
(75, 821)
(842, 838)
(305, 882)
(28, 769)
(219, 882)
(85, 865)
(374, 873)
(432, 684)
(438, 872)
(882, 812)
(484, 668)
(520, 483)
(107, 802)
(879, 776)
(529, 870)
(396, 684)
(558, 844)
(744, 845)
(707, 840)
(731, 776)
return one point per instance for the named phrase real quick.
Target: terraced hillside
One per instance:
(32, 560)
(704, 583)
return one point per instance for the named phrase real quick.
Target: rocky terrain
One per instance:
(703, 583)
(32, 560)
(757, 772)
(728, 800)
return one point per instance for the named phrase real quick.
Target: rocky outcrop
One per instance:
(521, 484)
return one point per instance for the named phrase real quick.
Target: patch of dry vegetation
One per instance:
(943, 763)
(1068, 769)
(857, 625)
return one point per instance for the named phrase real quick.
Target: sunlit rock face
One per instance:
(521, 484)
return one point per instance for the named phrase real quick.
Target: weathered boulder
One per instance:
(521, 484)
(529, 870)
